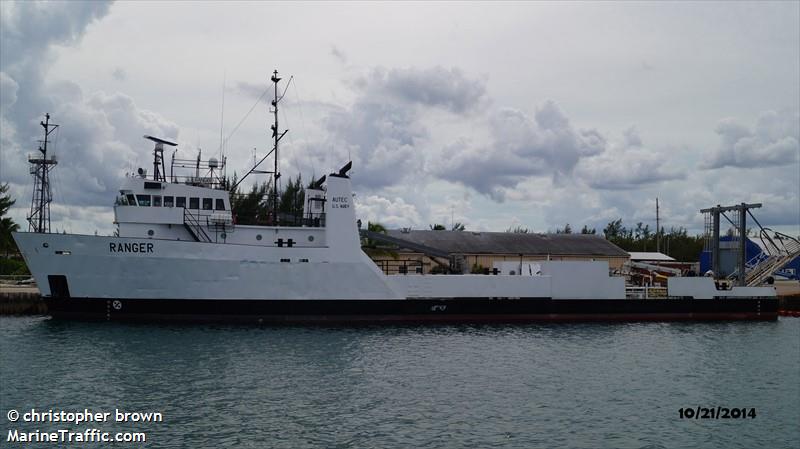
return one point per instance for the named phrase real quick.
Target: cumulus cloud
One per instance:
(97, 132)
(627, 165)
(383, 129)
(773, 141)
(519, 147)
(392, 213)
(448, 89)
(381, 138)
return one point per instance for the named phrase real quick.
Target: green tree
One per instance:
(7, 225)
(519, 230)
(676, 243)
(437, 227)
(613, 229)
(374, 248)
(458, 226)
(567, 229)
(292, 199)
(586, 230)
(250, 208)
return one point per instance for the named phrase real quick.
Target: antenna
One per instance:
(222, 120)
(159, 171)
(275, 174)
(276, 136)
(39, 218)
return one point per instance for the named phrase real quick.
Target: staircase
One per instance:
(191, 223)
(778, 251)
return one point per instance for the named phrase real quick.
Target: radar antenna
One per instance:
(159, 171)
(39, 218)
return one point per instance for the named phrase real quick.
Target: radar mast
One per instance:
(39, 217)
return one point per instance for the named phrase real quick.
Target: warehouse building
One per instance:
(479, 251)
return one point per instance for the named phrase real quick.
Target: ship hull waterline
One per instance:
(451, 310)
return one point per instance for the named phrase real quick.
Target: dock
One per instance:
(21, 300)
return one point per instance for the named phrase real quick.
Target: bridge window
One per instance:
(180, 201)
(131, 199)
(156, 200)
(207, 204)
(194, 203)
(168, 201)
(144, 200)
(220, 204)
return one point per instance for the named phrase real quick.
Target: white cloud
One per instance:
(438, 87)
(772, 141)
(392, 213)
(519, 147)
(628, 165)
(93, 142)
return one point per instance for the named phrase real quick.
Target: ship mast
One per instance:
(275, 173)
(276, 137)
(39, 217)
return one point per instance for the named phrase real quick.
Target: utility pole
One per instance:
(658, 229)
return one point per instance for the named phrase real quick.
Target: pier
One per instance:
(21, 300)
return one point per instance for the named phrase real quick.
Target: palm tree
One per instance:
(7, 225)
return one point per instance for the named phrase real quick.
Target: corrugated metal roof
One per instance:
(466, 242)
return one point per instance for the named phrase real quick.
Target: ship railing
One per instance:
(645, 292)
(284, 219)
(192, 224)
(403, 266)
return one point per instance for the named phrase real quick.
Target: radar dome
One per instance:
(213, 163)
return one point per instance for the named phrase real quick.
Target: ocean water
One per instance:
(522, 386)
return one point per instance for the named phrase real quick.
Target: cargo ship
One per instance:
(179, 255)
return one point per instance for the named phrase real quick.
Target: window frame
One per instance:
(143, 200)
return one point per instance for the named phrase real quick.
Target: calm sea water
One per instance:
(577, 385)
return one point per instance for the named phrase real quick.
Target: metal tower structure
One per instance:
(739, 234)
(39, 217)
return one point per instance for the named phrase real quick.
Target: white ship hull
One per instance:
(319, 273)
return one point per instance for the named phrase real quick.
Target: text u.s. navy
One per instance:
(130, 247)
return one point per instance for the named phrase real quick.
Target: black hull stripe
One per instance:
(472, 310)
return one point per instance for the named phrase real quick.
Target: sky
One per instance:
(495, 115)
